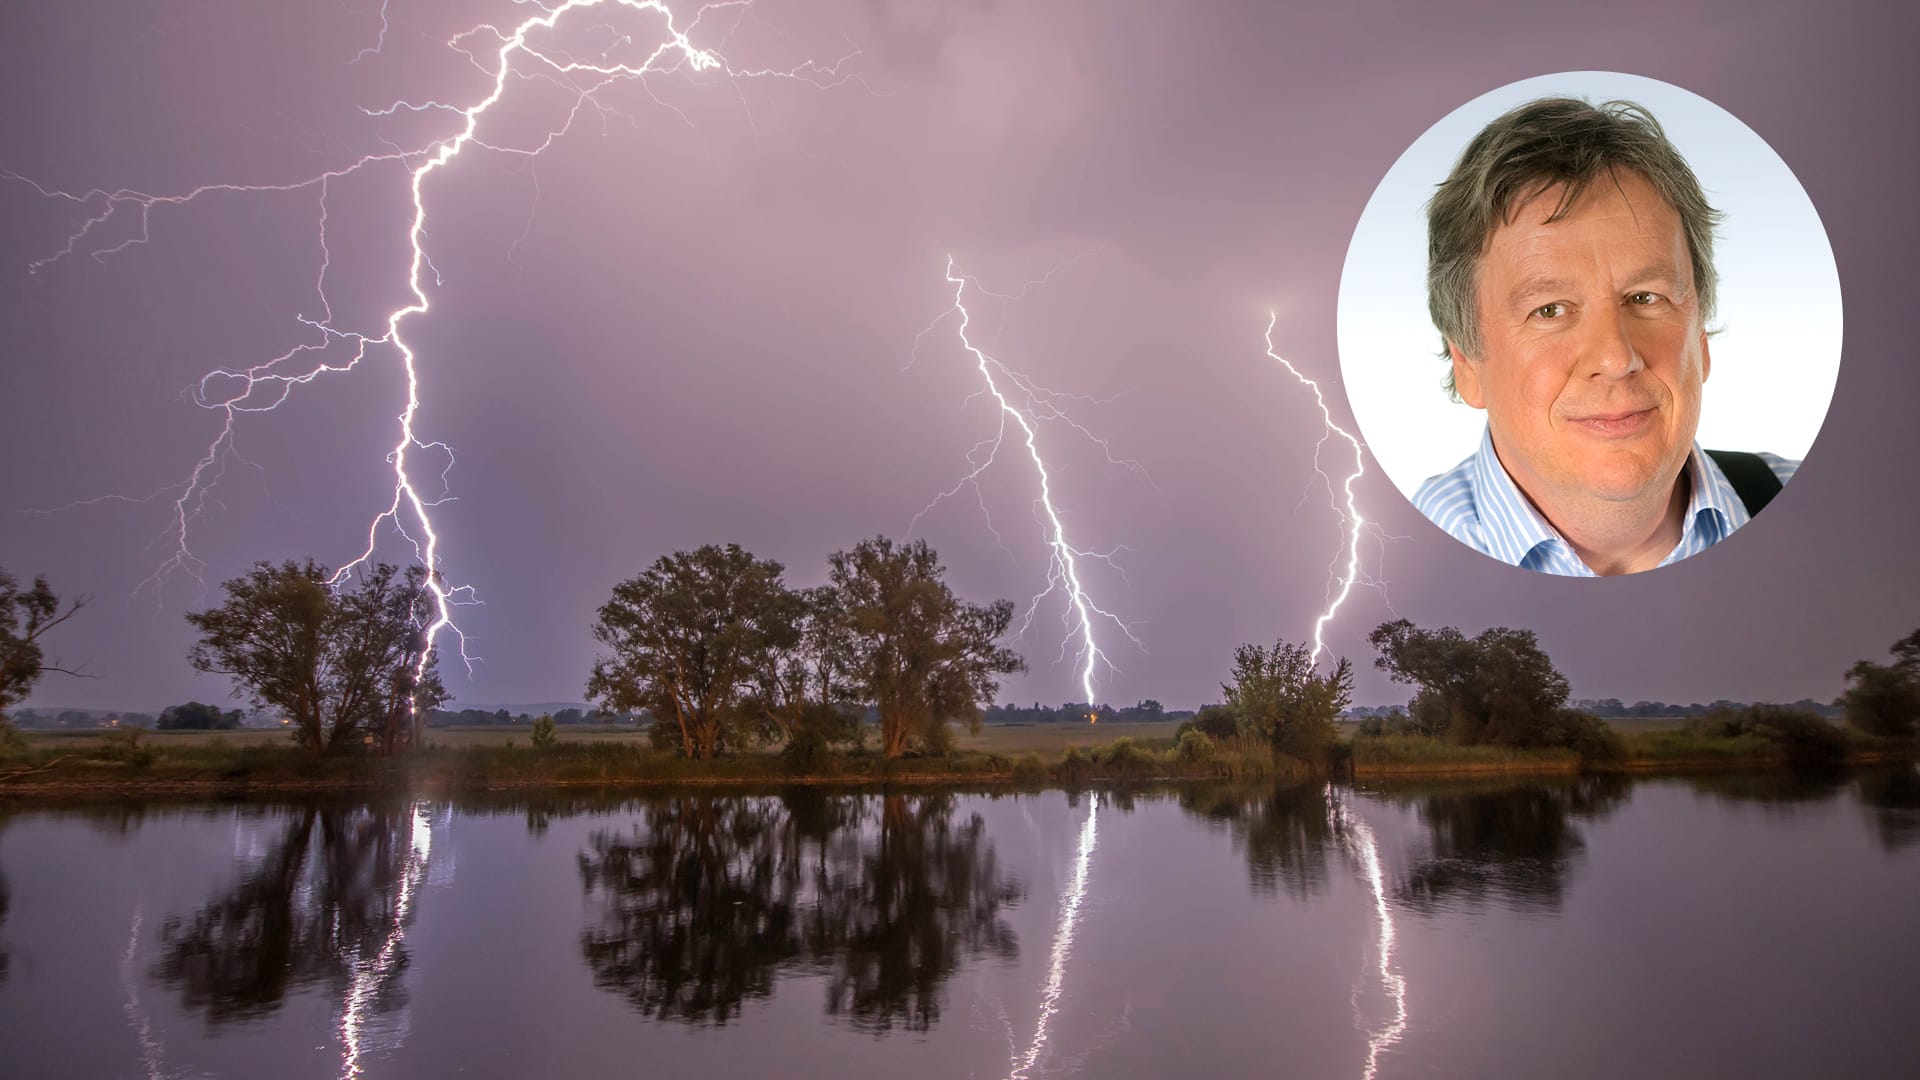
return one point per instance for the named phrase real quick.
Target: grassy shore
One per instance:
(1648, 749)
(265, 762)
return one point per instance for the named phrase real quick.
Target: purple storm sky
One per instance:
(693, 320)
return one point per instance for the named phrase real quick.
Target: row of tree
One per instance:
(711, 643)
(501, 717)
(1500, 688)
(1615, 709)
(1148, 711)
(723, 653)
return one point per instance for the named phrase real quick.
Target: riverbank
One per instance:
(242, 765)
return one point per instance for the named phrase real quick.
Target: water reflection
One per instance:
(1781, 789)
(6, 900)
(1512, 844)
(1062, 941)
(708, 898)
(152, 1052)
(1891, 795)
(325, 902)
(1285, 831)
(1290, 834)
(1363, 846)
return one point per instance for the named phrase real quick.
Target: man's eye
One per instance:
(1550, 311)
(1644, 298)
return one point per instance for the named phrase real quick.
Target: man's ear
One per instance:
(1466, 377)
(1706, 358)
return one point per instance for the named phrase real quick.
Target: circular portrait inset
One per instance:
(1589, 324)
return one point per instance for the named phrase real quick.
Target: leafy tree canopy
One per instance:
(1884, 699)
(25, 617)
(920, 655)
(688, 638)
(198, 716)
(1277, 695)
(1497, 687)
(341, 661)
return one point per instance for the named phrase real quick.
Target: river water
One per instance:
(1727, 926)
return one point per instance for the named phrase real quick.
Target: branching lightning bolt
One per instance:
(1340, 585)
(264, 386)
(1063, 558)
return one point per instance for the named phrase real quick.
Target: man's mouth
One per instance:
(1615, 425)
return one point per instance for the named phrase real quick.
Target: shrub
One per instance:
(124, 744)
(1377, 727)
(1029, 769)
(544, 734)
(1801, 737)
(11, 741)
(1213, 721)
(1194, 747)
(806, 749)
(1587, 735)
(1124, 756)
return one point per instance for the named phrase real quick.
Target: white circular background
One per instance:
(1777, 352)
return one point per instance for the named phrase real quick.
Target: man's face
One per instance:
(1593, 349)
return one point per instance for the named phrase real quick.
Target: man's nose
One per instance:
(1608, 351)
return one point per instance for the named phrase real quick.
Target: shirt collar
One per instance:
(1514, 527)
(1515, 531)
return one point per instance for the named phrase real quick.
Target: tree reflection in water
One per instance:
(712, 897)
(1513, 844)
(1891, 795)
(1285, 831)
(6, 899)
(324, 905)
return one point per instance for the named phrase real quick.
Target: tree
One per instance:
(803, 688)
(25, 617)
(1277, 695)
(688, 637)
(341, 662)
(1495, 688)
(920, 655)
(1884, 699)
(197, 716)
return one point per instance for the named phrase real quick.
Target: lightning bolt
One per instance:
(1340, 585)
(331, 351)
(1064, 560)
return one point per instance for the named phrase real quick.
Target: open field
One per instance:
(452, 737)
(1053, 739)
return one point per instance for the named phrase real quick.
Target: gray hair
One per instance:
(1551, 141)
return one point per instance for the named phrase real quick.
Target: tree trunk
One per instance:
(893, 733)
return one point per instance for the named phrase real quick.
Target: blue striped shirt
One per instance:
(1478, 504)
